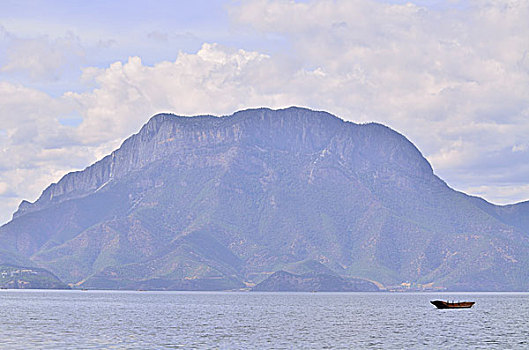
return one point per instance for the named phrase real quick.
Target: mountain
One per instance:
(216, 203)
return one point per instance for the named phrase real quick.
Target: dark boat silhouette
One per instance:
(441, 304)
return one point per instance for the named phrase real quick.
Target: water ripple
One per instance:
(175, 320)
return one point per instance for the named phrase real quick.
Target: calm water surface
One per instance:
(157, 320)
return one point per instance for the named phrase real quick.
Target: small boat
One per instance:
(440, 304)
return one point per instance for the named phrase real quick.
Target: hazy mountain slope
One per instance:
(516, 215)
(282, 281)
(212, 203)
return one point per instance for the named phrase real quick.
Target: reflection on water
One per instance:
(139, 320)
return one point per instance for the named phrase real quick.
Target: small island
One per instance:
(17, 277)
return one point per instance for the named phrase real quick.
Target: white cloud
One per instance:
(35, 149)
(42, 58)
(158, 36)
(3, 188)
(519, 148)
(454, 80)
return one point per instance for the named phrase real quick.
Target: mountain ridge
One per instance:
(102, 171)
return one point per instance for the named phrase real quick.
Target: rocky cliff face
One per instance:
(166, 135)
(207, 202)
(161, 137)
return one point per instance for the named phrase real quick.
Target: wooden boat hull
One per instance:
(440, 304)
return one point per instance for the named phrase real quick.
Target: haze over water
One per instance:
(139, 320)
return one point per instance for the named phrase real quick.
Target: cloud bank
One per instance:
(454, 79)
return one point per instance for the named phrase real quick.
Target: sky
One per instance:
(79, 77)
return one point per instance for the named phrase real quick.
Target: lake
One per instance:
(43, 319)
